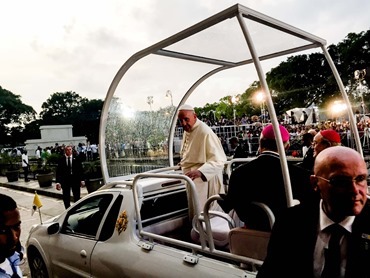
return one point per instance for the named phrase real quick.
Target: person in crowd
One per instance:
(69, 175)
(240, 150)
(38, 153)
(322, 140)
(225, 146)
(307, 139)
(234, 143)
(261, 180)
(94, 151)
(239, 147)
(331, 236)
(202, 156)
(11, 251)
(25, 165)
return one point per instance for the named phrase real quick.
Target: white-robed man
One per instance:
(202, 155)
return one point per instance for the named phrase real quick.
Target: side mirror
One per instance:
(53, 228)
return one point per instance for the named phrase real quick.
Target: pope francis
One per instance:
(202, 155)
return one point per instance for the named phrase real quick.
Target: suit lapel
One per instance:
(358, 258)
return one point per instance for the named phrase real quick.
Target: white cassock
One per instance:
(201, 150)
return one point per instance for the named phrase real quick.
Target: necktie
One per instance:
(69, 164)
(332, 254)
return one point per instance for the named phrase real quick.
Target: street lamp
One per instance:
(337, 108)
(361, 87)
(150, 101)
(169, 94)
(234, 100)
(260, 97)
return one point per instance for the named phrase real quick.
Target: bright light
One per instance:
(128, 112)
(260, 97)
(234, 99)
(338, 107)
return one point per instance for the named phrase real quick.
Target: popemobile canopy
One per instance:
(221, 54)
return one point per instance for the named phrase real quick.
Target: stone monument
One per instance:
(51, 134)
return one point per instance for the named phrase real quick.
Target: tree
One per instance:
(70, 108)
(88, 121)
(14, 115)
(304, 79)
(62, 108)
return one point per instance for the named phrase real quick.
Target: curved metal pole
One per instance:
(183, 100)
(271, 109)
(351, 117)
(104, 115)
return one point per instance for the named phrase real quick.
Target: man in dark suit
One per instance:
(261, 180)
(301, 239)
(69, 176)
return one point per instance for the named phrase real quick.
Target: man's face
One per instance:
(319, 143)
(10, 231)
(346, 193)
(187, 119)
(68, 151)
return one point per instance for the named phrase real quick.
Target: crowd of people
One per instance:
(85, 152)
(248, 136)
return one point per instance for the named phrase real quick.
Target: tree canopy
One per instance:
(302, 80)
(70, 108)
(14, 115)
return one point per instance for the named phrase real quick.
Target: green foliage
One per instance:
(305, 79)
(71, 108)
(14, 114)
(61, 108)
(92, 169)
(12, 162)
(47, 164)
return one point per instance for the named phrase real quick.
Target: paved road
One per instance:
(50, 207)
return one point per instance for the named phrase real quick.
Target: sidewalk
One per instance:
(33, 186)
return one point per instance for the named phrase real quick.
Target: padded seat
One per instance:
(252, 243)
(249, 243)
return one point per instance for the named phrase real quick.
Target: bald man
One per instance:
(202, 156)
(303, 232)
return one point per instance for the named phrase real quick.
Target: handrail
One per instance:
(200, 218)
(191, 187)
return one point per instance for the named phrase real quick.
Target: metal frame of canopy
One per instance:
(240, 13)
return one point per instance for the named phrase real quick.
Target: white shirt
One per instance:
(24, 160)
(5, 266)
(38, 154)
(322, 242)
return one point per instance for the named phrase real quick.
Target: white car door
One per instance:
(73, 245)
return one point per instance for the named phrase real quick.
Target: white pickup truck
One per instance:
(138, 223)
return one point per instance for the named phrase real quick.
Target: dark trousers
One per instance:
(25, 171)
(76, 191)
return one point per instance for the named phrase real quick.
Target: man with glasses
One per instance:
(331, 236)
(322, 140)
(10, 231)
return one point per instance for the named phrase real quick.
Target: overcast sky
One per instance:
(57, 46)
